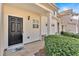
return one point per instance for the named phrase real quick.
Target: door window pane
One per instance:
(12, 27)
(18, 27)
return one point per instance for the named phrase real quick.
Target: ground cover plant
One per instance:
(58, 45)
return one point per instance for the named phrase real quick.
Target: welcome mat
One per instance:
(16, 48)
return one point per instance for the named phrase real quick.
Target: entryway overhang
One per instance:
(29, 7)
(48, 6)
(40, 8)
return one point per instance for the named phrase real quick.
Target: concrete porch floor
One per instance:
(28, 50)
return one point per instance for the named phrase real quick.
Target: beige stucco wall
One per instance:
(27, 25)
(1, 31)
(69, 26)
(44, 27)
(52, 25)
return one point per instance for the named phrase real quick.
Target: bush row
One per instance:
(70, 34)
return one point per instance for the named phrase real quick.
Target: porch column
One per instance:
(60, 25)
(49, 23)
(1, 31)
(77, 27)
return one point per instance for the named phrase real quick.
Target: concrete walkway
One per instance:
(28, 50)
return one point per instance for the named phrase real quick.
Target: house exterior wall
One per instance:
(27, 25)
(69, 25)
(44, 25)
(28, 30)
(1, 31)
(52, 25)
(51, 22)
(71, 28)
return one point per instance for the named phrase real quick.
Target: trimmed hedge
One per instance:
(56, 45)
(70, 34)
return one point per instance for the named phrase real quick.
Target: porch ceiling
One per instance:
(29, 6)
(51, 6)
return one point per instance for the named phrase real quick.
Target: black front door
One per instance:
(15, 29)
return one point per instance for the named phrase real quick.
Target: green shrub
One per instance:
(70, 34)
(56, 45)
(76, 36)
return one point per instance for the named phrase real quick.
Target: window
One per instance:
(35, 26)
(35, 23)
(53, 25)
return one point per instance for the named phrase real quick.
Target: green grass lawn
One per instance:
(58, 45)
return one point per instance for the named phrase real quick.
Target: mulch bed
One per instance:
(40, 53)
